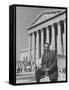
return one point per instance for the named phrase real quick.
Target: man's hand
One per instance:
(46, 71)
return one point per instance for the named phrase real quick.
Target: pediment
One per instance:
(45, 16)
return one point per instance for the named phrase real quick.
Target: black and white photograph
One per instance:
(41, 44)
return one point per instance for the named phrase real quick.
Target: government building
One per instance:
(48, 27)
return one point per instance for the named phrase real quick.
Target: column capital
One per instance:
(58, 23)
(47, 27)
(52, 24)
(33, 33)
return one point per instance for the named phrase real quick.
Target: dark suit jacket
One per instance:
(49, 59)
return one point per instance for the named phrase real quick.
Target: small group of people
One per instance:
(48, 65)
(19, 68)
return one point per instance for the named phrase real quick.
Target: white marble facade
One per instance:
(48, 27)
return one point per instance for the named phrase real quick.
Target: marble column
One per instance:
(33, 45)
(42, 43)
(29, 46)
(47, 35)
(37, 44)
(64, 38)
(37, 47)
(59, 44)
(52, 47)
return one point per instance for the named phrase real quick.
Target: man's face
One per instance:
(46, 47)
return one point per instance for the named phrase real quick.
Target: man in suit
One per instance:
(48, 65)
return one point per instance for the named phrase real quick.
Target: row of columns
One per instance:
(35, 46)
